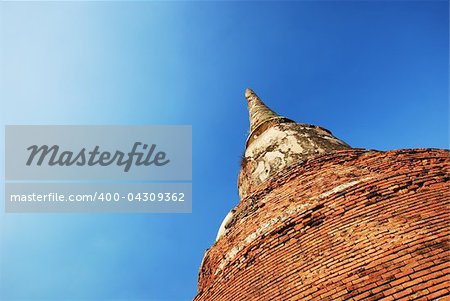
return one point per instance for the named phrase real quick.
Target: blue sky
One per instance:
(373, 72)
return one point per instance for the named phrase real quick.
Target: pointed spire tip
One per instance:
(249, 92)
(258, 111)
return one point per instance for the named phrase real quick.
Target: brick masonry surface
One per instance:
(348, 225)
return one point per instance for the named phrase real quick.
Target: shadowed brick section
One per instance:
(346, 225)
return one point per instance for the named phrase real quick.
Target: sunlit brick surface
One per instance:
(348, 225)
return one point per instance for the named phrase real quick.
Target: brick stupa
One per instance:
(319, 220)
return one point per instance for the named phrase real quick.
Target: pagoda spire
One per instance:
(276, 142)
(257, 109)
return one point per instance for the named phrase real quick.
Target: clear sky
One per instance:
(373, 72)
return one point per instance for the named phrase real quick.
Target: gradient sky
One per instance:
(373, 72)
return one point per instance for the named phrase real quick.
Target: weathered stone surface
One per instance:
(276, 142)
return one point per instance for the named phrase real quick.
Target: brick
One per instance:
(365, 241)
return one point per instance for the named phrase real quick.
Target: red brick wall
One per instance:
(349, 225)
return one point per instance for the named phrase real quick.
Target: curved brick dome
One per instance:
(348, 225)
(318, 220)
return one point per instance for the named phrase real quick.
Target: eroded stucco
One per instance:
(280, 146)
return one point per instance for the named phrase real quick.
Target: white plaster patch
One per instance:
(271, 136)
(293, 145)
(260, 171)
(271, 156)
(226, 220)
(274, 160)
(339, 188)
